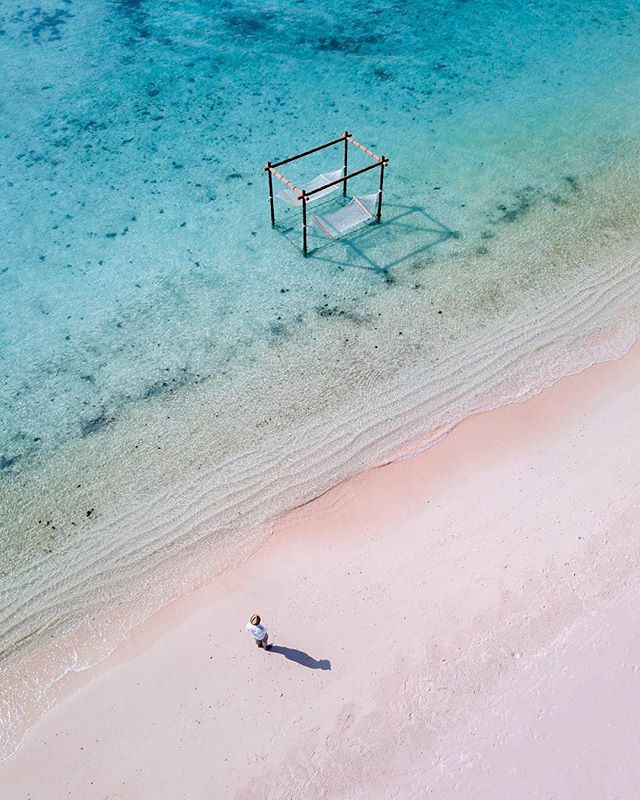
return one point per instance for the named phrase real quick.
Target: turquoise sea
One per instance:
(174, 374)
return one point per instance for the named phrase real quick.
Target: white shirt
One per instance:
(257, 631)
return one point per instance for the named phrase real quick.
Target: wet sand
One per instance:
(459, 624)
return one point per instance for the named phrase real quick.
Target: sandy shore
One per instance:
(460, 624)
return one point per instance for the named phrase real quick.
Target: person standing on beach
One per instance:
(256, 629)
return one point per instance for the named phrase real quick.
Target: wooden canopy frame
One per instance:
(303, 196)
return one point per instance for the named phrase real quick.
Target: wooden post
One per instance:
(273, 212)
(346, 153)
(379, 212)
(304, 222)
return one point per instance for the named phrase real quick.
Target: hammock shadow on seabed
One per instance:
(406, 232)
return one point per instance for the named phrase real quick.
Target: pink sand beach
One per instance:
(461, 624)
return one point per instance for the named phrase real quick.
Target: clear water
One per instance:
(173, 373)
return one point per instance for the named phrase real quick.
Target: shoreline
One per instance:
(369, 544)
(381, 429)
(162, 508)
(84, 648)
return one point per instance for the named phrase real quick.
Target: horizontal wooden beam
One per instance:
(308, 152)
(269, 168)
(383, 162)
(363, 148)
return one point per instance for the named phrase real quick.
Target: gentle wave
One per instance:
(175, 540)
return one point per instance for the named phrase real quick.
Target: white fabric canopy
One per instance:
(325, 177)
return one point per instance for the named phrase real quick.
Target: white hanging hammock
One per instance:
(359, 210)
(325, 177)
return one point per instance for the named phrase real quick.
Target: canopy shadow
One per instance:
(406, 232)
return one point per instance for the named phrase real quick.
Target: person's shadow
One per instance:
(300, 657)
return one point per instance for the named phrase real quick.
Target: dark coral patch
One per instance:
(334, 312)
(524, 200)
(249, 24)
(6, 462)
(95, 424)
(573, 183)
(348, 44)
(278, 329)
(168, 386)
(44, 25)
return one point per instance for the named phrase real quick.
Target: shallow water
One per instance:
(173, 373)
